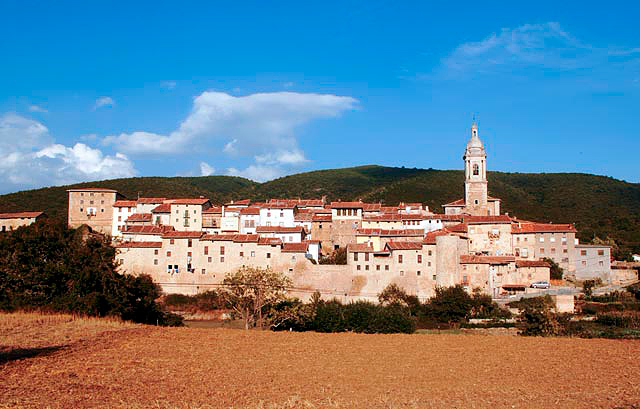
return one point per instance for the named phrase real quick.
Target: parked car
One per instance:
(540, 284)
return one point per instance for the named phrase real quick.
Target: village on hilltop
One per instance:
(188, 245)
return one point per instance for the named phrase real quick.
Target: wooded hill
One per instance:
(599, 206)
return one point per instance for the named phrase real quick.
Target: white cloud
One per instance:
(259, 173)
(206, 169)
(35, 108)
(545, 46)
(168, 84)
(261, 126)
(229, 148)
(104, 102)
(30, 158)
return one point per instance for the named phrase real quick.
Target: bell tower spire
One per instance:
(475, 168)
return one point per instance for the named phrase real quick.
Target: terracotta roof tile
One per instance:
(502, 219)
(139, 244)
(213, 209)
(250, 211)
(472, 259)
(295, 247)
(532, 263)
(199, 201)
(542, 228)
(125, 203)
(150, 230)
(92, 189)
(359, 248)
(182, 235)
(321, 218)
(455, 203)
(151, 200)
(20, 215)
(163, 208)
(390, 232)
(140, 217)
(404, 245)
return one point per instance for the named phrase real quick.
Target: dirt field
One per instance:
(80, 364)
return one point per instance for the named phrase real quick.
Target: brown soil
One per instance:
(136, 367)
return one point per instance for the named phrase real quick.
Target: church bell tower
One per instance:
(475, 170)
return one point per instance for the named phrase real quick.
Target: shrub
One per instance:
(484, 307)
(626, 319)
(450, 305)
(537, 318)
(362, 316)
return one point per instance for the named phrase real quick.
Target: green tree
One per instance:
(556, 271)
(450, 305)
(250, 289)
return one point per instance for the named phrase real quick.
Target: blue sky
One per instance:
(98, 90)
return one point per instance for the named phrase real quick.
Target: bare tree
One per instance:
(250, 289)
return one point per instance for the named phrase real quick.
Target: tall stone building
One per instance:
(477, 201)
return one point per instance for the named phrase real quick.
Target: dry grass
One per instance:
(185, 368)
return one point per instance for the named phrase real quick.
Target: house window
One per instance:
(553, 250)
(386, 268)
(601, 252)
(242, 254)
(541, 251)
(366, 267)
(541, 239)
(378, 267)
(429, 253)
(222, 250)
(189, 254)
(564, 251)
(168, 254)
(358, 267)
(583, 252)
(209, 259)
(419, 258)
(563, 240)
(434, 277)
(119, 218)
(268, 255)
(355, 256)
(428, 264)
(172, 241)
(206, 250)
(155, 252)
(552, 239)
(401, 272)
(418, 272)
(476, 169)
(366, 256)
(222, 259)
(400, 259)
(204, 271)
(155, 261)
(253, 254)
(601, 263)
(584, 263)
(524, 252)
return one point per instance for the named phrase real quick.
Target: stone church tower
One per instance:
(475, 170)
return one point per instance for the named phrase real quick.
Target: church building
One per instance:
(476, 201)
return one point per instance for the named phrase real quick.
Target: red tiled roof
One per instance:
(295, 247)
(456, 203)
(92, 189)
(542, 228)
(446, 217)
(385, 217)
(458, 228)
(390, 232)
(200, 201)
(269, 241)
(471, 259)
(347, 205)
(359, 248)
(430, 238)
(182, 235)
(405, 216)
(213, 209)
(125, 203)
(140, 217)
(151, 200)
(389, 209)
(303, 217)
(151, 230)
(250, 210)
(139, 244)
(279, 229)
(502, 219)
(371, 207)
(404, 245)
(163, 208)
(321, 218)
(20, 215)
(532, 263)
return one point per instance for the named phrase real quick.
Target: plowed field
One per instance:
(136, 366)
